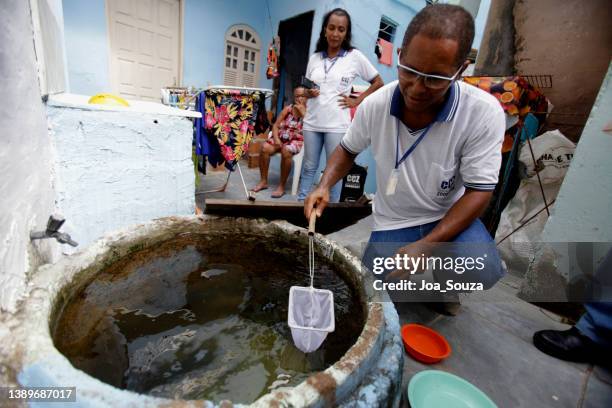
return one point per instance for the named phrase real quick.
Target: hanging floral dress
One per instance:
(230, 118)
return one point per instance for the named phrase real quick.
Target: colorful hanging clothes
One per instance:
(273, 53)
(230, 117)
(518, 98)
(206, 145)
(386, 55)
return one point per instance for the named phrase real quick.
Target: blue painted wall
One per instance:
(87, 51)
(205, 25)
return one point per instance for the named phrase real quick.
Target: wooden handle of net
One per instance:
(313, 220)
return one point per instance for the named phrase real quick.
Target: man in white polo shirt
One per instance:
(437, 146)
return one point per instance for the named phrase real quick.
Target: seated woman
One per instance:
(286, 138)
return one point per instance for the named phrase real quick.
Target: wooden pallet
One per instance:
(335, 217)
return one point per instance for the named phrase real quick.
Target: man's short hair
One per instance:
(443, 21)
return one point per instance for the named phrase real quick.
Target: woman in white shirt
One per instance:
(333, 67)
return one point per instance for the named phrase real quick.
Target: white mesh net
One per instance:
(311, 311)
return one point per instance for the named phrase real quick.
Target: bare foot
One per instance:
(261, 186)
(278, 193)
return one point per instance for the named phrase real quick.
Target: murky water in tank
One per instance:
(202, 318)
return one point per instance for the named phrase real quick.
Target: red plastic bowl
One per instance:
(424, 344)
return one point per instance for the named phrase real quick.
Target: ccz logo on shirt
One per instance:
(446, 186)
(344, 84)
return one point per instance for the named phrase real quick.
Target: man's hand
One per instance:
(417, 251)
(317, 199)
(300, 108)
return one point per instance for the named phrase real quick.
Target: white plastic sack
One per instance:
(553, 153)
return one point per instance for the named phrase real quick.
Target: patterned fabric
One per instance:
(290, 133)
(205, 144)
(291, 128)
(273, 51)
(518, 98)
(230, 117)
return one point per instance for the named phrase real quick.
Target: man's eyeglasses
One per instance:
(430, 81)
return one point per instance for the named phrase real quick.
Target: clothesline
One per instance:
(266, 91)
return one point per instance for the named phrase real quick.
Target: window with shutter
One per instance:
(241, 60)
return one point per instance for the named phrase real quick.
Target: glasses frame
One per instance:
(425, 76)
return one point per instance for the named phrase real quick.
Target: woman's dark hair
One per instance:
(322, 41)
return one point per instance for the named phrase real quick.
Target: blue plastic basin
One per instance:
(436, 389)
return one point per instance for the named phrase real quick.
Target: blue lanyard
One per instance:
(325, 68)
(411, 149)
(341, 53)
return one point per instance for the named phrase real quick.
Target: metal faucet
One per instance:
(53, 225)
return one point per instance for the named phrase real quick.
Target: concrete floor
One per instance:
(235, 190)
(490, 337)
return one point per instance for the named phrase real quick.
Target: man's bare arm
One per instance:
(460, 216)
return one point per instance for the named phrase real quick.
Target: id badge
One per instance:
(392, 183)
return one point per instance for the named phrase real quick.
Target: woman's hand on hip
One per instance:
(347, 102)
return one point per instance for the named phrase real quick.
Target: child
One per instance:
(286, 138)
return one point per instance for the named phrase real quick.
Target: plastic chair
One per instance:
(297, 169)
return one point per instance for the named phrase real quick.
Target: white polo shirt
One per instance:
(334, 77)
(462, 147)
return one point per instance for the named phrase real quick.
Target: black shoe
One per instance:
(449, 304)
(569, 345)
(445, 308)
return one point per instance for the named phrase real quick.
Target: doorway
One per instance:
(145, 47)
(294, 36)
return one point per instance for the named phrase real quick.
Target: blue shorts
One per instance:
(474, 242)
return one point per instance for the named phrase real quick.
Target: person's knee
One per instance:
(375, 257)
(476, 232)
(477, 263)
(267, 149)
(310, 165)
(492, 271)
(286, 153)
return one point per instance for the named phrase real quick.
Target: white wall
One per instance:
(122, 167)
(48, 24)
(101, 174)
(26, 184)
(582, 211)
